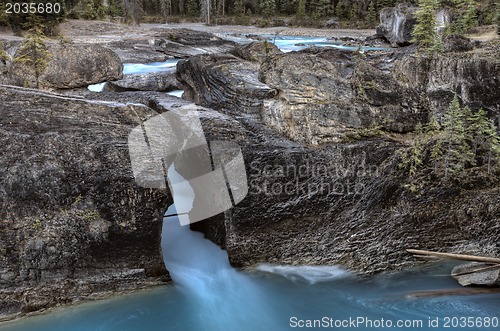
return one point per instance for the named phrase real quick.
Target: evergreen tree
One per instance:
(301, 9)
(133, 11)
(484, 138)
(477, 129)
(469, 18)
(4, 19)
(492, 146)
(268, 7)
(239, 10)
(372, 12)
(424, 32)
(466, 17)
(33, 52)
(192, 8)
(412, 158)
(457, 153)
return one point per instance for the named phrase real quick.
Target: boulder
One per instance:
(256, 51)
(467, 275)
(74, 224)
(164, 81)
(71, 66)
(332, 23)
(457, 43)
(223, 82)
(396, 24)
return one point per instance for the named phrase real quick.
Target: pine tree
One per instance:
(4, 19)
(466, 17)
(268, 7)
(33, 52)
(301, 9)
(192, 8)
(492, 145)
(469, 18)
(432, 127)
(456, 150)
(477, 129)
(372, 12)
(424, 32)
(133, 11)
(239, 10)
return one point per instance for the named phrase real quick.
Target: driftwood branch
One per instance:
(455, 256)
(491, 267)
(440, 293)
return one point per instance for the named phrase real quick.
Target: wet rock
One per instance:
(164, 81)
(466, 276)
(396, 24)
(256, 51)
(71, 66)
(73, 222)
(223, 82)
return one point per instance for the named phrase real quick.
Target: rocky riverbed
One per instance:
(323, 189)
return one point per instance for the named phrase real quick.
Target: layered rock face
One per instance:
(325, 95)
(74, 224)
(167, 43)
(223, 82)
(164, 81)
(70, 66)
(256, 51)
(473, 78)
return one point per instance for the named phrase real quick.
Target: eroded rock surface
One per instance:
(477, 274)
(256, 51)
(397, 23)
(164, 81)
(70, 66)
(223, 82)
(73, 223)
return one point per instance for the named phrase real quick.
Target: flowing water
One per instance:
(209, 295)
(297, 43)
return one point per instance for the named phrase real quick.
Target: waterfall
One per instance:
(219, 297)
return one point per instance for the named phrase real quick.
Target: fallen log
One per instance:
(491, 267)
(455, 256)
(440, 293)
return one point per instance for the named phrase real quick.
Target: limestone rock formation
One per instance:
(223, 82)
(73, 222)
(477, 274)
(326, 94)
(256, 51)
(71, 66)
(168, 43)
(164, 81)
(396, 24)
